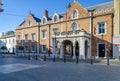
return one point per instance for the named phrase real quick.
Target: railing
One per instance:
(71, 33)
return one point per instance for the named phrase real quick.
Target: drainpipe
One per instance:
(91, 33)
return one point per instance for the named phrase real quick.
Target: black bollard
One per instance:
(64, 58)
(108, 63)
(44, 57)
(76, 59)
(91, 60)
(28, 57)
(54, 58)
(36, 57)
(119, 58)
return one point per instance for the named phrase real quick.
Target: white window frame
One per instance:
(19, 39)
(25, 49)
(76, 26)
(43, 48)
(105, 24)
(29, 23)
(73, 14)
(26, 40)
(32, 49)
(45, 33)
(33, 36)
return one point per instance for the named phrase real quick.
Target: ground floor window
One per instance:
(44, 48)
(26, 48)
(33, 48)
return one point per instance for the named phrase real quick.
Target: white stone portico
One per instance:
(72, 43)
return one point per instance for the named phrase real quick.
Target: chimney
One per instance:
(116, 17)
(69, 5)
(46, 13)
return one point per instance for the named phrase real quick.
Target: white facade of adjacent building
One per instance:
(9, 42)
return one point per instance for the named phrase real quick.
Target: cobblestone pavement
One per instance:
(59, 71)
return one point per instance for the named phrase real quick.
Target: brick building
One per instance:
(79, 31)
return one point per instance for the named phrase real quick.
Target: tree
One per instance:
(21, 48)
(4, 48)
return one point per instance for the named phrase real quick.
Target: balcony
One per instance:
(77, 33)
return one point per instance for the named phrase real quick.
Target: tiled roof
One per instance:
(100, 7)
(37, 19)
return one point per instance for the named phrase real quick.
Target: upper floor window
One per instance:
(44, 21)
(19, 38)
(75, 14)
(102, 28)
(44, 34)
(13, 41)
(26, 37)
(33, 37)
(74, 27)
(55, 18)
(9, 41)
(29, 23)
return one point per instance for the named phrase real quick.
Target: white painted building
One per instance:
(10, 42)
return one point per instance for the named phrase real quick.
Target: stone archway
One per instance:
(68, 48)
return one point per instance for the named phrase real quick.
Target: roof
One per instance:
(7, 36)
(100, 7)
(37, 19)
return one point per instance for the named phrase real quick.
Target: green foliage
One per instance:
(4, 48)
(21, 48)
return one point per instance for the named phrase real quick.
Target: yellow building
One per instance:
(80, 31)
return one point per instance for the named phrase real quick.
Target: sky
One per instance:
(16, 11)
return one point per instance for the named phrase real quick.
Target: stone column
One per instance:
(74, 52)
(61, 51)
(82, 48)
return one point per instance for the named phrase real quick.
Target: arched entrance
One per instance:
(86, 49)
(68, 48)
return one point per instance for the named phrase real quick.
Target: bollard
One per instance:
(119, 58)
(108, 63)
(36, 57)
(76, 59)
(91, 60)
(64, 59)
(28, 57)
(54, 58)
(44, 57)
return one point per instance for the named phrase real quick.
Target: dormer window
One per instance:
(55, 18)
(29, 23)
(44, 21)
(75, 14)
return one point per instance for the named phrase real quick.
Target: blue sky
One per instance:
(15, 11)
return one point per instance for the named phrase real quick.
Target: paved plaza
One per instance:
(13, 68)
